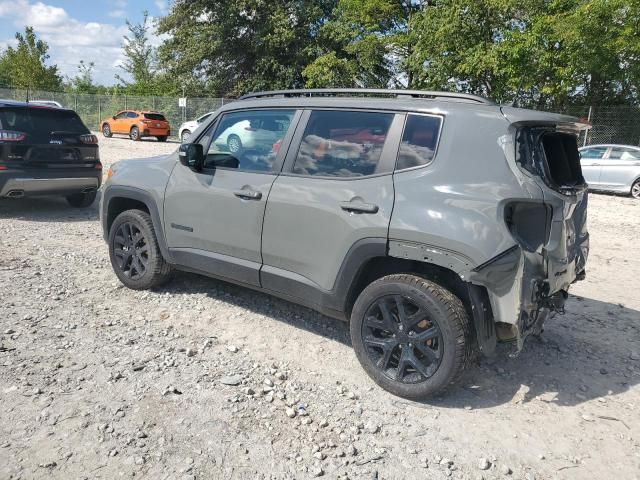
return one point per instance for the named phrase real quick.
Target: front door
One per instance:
(591, 163)
(213, 218)
(620, 168)
(335, 192)
(118, 123)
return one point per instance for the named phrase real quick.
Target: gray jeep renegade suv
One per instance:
(436, 223)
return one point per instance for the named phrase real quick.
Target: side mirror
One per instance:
(113, 118)
(191, 155)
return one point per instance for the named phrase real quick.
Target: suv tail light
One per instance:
(529, 223)
(89, 139)
(11, 136)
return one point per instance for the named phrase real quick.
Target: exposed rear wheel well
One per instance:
(118, 205)
(379, 267)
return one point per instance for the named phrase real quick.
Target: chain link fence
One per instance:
(611, 124)
(95, 108)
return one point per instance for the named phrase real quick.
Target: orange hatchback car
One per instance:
(137, 125)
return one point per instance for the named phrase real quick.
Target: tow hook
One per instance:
(555, 302)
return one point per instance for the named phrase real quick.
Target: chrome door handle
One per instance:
(359, 207)
(248, 194)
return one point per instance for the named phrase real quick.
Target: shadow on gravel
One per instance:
(589, 353)
(47, 209)
(261, 303)
(583, 355)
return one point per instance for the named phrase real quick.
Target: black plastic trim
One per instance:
(119, 191)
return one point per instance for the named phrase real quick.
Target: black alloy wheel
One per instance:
(131, 250)
(402, 340)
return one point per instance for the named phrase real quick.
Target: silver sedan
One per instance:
(612, 168)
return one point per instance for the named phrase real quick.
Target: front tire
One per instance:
(412, 336)
(162, 138)
(134, 134)
(186, 134)
(106, 131)
(81, 200)
(134, 252)
(635, 190)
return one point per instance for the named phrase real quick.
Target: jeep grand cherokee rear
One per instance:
(47, 151)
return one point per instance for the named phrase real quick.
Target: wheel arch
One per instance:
(376, 267)
(118, 199)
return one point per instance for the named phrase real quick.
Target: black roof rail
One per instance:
(327, 92)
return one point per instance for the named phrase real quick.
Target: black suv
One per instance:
(45, 151)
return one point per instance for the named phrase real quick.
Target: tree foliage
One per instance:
(233, 46)
(24, 66)
(140, 59)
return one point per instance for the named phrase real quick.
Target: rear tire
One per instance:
(106, 131)
(134, 252)
(412, 336)
(81, 200)
(162, 138)
(134, 134)
(635, 190)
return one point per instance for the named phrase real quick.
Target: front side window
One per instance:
(624, 154)
(121, 115)
(342, 143)
(419, 141)
(593, 153)
(247, 140)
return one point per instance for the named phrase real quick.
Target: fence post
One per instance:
(222, 105)
(125, 101)
(99, 112)
(586, 132)
(75, 102)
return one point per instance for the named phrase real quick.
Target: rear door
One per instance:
(46, 138)
(591, 162)
(213, 218)
(620, 168)
(336, 190)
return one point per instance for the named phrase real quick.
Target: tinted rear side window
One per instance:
(154, 116)
(419, 141)
(38, 123)
(342, 144)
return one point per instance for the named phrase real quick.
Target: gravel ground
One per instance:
(201, 379)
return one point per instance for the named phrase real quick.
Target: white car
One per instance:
(249, 134)
(612, 168)
(187, 128)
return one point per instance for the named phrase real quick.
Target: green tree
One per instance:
(365, 44)
(24, 66)
(546, 54)
(83, 81)
(235, 46)
(140, 59)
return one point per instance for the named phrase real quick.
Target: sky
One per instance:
(89, 30)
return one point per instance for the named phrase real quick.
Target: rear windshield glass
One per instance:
(38, 123)
(154, 116)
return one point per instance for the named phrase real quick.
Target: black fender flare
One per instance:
(133, 193)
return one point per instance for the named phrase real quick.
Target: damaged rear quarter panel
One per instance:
(452, 213)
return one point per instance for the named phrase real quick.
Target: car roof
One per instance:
(34, 104)
(607, 145)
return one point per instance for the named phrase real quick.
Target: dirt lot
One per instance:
(97, 381)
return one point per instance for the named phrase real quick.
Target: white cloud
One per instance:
(69, 39)
(163, 6)
(117, 13)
